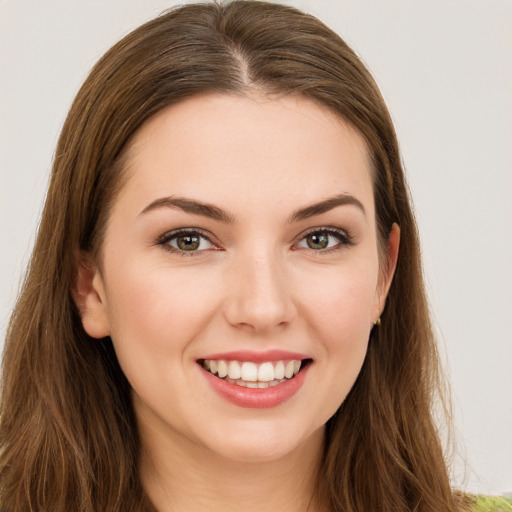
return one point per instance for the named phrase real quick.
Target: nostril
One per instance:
(259, 298)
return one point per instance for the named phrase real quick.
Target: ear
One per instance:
(388, 269)
(89, 296)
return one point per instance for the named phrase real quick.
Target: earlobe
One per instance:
(89, 297)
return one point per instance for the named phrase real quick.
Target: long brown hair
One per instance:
(68, 434)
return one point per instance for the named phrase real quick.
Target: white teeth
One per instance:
(234, 370)
(253, 375)
(249, 372)
(288, 372)
(279, 370)
(222, 369)
(266, 372)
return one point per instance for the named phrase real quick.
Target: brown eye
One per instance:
(324, 240)
(188, 242)
(317, 241)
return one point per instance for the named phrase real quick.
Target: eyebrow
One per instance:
(191, 206)
(216, 213)
(325, 206)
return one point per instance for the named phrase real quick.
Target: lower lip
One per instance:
(256, 398)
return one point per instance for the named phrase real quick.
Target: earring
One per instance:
(377, 322)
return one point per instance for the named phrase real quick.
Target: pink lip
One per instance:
(256, 398)
(258, 357)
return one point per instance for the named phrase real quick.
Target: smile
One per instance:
(251, 374)
(252, 379)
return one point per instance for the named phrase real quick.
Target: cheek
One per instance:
(338, 314)
(342, 324)
(340, 301)
(158, 307)
(155, 315)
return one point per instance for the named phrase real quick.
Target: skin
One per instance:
(255, 285)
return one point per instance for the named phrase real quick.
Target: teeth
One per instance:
(234, 370)
(266, 372)
(222, 369)
(249, 372)
(279, 370)
(288, 372)
(252, 375)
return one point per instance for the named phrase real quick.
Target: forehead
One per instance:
(223, 148)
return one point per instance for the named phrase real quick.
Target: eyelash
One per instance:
(165, 240)
(344, 240)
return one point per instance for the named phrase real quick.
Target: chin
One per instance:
(267, 444)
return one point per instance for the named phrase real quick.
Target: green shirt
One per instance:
(490, 504)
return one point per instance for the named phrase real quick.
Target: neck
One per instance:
(180, 476)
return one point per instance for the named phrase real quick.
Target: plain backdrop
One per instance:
(445, 69)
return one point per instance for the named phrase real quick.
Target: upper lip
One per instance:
(256, 356)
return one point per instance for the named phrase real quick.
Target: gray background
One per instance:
(445, 69)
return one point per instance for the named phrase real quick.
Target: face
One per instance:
(240, 275)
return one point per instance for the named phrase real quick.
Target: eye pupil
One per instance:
(318, 241)
(188, 242)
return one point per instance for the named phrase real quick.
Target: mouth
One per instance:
(255, 375)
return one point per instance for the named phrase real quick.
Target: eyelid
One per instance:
(164, 240)
(343, 235)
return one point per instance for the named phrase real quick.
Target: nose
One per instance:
(259, 296)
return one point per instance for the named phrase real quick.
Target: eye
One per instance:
(186, 241)
(324, 239)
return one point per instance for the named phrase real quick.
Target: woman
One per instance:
(224, 306)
